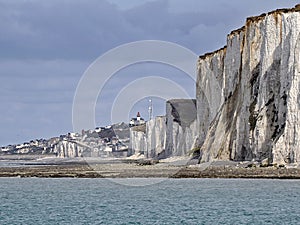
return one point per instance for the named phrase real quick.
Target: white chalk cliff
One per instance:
(170, 135)
(248, 93)
(155, 137)
(138, 142)
(181, 126)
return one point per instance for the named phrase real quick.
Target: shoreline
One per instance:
(142, 169)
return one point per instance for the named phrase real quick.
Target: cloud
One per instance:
(59, 29)
(36, 98)
(67, 29)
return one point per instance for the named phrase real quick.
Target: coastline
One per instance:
(141, 168)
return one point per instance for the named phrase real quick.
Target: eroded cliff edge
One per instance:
(254, 80)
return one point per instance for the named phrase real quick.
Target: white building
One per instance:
(137, 121)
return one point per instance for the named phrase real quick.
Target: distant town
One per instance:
(108, 141)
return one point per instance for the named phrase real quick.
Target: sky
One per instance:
(46, 47)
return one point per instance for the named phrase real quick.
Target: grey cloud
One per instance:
(80, 29)
(60, 29)
(36, 98)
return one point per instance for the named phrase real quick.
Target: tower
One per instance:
(138, 116)
(150, 109)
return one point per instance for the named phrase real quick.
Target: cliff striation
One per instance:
(256, 114)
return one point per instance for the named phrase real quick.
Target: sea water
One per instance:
(172, 201)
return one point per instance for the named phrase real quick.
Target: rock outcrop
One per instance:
(254, 111)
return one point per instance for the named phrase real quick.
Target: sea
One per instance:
(168, 201)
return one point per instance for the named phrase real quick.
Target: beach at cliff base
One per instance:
(175, 167)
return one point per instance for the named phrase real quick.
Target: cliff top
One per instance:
(139, 128)
(274, 12)
(212, 53)
(250, 20)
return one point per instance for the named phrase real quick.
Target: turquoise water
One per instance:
(174, 201)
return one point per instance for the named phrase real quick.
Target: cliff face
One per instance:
(149, 139)
(68, 149)
(170, 135)
(138, 143)
(257, 88)
(181, 126)
(156, 137)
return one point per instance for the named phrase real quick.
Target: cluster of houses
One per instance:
(38, 146)
(99, 142)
